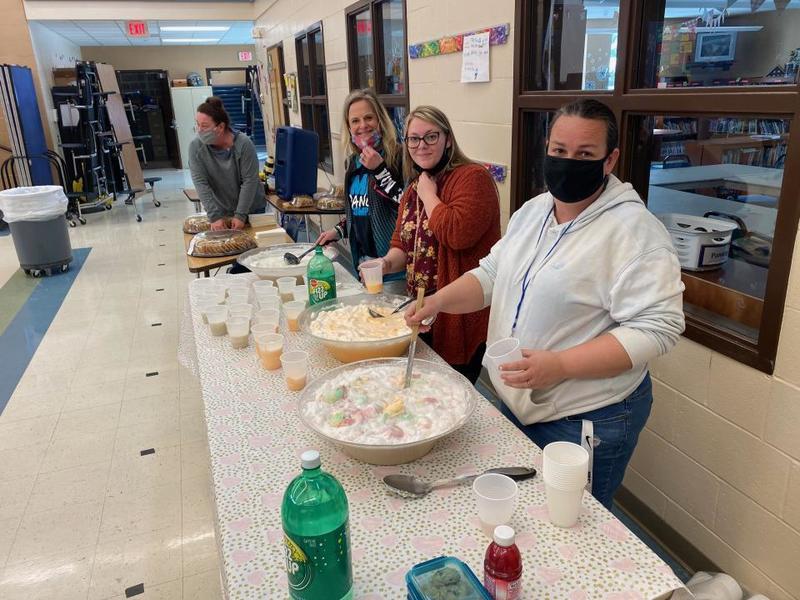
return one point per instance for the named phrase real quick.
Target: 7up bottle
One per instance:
(316, 535)
(321, 278)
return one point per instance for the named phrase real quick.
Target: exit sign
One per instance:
(245, 56)
(137, 29)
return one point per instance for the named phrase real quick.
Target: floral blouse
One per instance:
(422, 262)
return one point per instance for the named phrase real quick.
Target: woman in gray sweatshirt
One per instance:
(224, 167)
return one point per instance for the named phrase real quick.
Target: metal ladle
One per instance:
(295, 260)
(409, 486)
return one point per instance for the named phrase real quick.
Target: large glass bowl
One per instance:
(346, 351)
(246, 259)
(390, 454)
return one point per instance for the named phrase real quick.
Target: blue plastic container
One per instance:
(296, 157)
(448, 572)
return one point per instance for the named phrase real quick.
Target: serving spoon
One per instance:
(295, 260)
(409, 486)
(376, 315)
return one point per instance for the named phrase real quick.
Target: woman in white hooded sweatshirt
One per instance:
(587, 279)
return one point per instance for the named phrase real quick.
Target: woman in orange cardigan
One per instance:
(448, 219)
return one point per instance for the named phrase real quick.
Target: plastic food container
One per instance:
(254, 260)
(389, 454)
(444, 577)
(352, 351)
(702, 244)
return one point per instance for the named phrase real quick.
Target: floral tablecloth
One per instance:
(256, 438)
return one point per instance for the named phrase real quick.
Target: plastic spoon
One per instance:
(409, 486)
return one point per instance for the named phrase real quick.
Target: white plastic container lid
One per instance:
(310, 460)
(504, 536)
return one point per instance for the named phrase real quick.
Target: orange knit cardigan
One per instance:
(466, 225)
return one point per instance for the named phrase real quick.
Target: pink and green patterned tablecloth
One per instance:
(256, 438)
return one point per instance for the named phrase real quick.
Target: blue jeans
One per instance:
(616, 431)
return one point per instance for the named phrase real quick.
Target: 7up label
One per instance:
(298, 568)
(320, 290)
(319, 567)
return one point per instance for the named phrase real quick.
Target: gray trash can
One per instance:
(36, 218)
(42, 246)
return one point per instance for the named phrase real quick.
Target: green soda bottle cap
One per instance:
(310, 459)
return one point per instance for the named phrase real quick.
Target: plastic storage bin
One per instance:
(702, 244)
(296, 157)
(444, 572)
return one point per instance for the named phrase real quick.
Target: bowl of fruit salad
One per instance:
(364, 409)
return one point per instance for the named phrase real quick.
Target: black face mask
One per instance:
(437, 168)
(571, 180)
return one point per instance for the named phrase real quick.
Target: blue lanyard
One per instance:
(525, 280)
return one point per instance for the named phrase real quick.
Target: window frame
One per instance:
(628, 101)
(313, 98)
(378, 64)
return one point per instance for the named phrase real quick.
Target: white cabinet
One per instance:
(185, 101)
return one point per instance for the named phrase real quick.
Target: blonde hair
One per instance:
(391, 146)
(434, 116)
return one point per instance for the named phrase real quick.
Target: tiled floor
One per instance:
(82, 513)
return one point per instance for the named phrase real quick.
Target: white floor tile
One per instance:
(69, 452)
(14, 495)
(140, 512)
(77, 485)
(200, 553)
(21, 462)
(87, 421)
(64, 575)
(204, 586)
(131, 472)
(27, 407)
(18, 434)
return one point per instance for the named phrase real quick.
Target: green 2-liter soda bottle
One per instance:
(321, 278)
(316, 535)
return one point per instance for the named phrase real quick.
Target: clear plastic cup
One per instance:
(268, 316)
(293, 310)
(286, 288)
(213, 292)
(216, 317)
(270, 302)
(238, 296)
(203, 306)
(238, 331)
(565, 465)
(496, 497)
(564, 506)
(504, 351)
(243, 309)
(372, 275)
(300, 294)
(262, 284)
(263, 329)
(295, 369)
(269, 347)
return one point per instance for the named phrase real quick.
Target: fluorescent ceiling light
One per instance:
(194, 28)
(188, 40)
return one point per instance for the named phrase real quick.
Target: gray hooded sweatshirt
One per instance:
(611, 270)
(227, 181)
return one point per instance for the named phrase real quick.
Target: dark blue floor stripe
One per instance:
(24, 333)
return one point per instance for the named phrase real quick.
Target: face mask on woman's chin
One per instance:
(438, 167)
(207, 136)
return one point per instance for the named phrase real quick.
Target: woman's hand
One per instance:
(326, 237)
(219, 224)
(237, 223)
(537, 370)
(426, 187)
(428, 313)
(370, 158)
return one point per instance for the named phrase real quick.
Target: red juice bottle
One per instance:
(502, 566)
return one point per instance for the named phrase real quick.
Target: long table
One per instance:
(256, 438)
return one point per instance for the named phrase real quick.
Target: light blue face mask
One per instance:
(207, 136)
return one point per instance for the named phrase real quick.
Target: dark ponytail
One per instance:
(214, 108)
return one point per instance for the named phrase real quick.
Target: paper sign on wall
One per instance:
(475, 58)
(245, 56)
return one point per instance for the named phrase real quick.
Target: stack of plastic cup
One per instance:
(286, 288)
(293, 310)
(238, 331)
(269, 347)
(203, 304)
(216, 317)
(267, 294)
(565, 471)
(496, 497)
(269, 317)
(295, 369)
(262, 284)
(239, 294)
